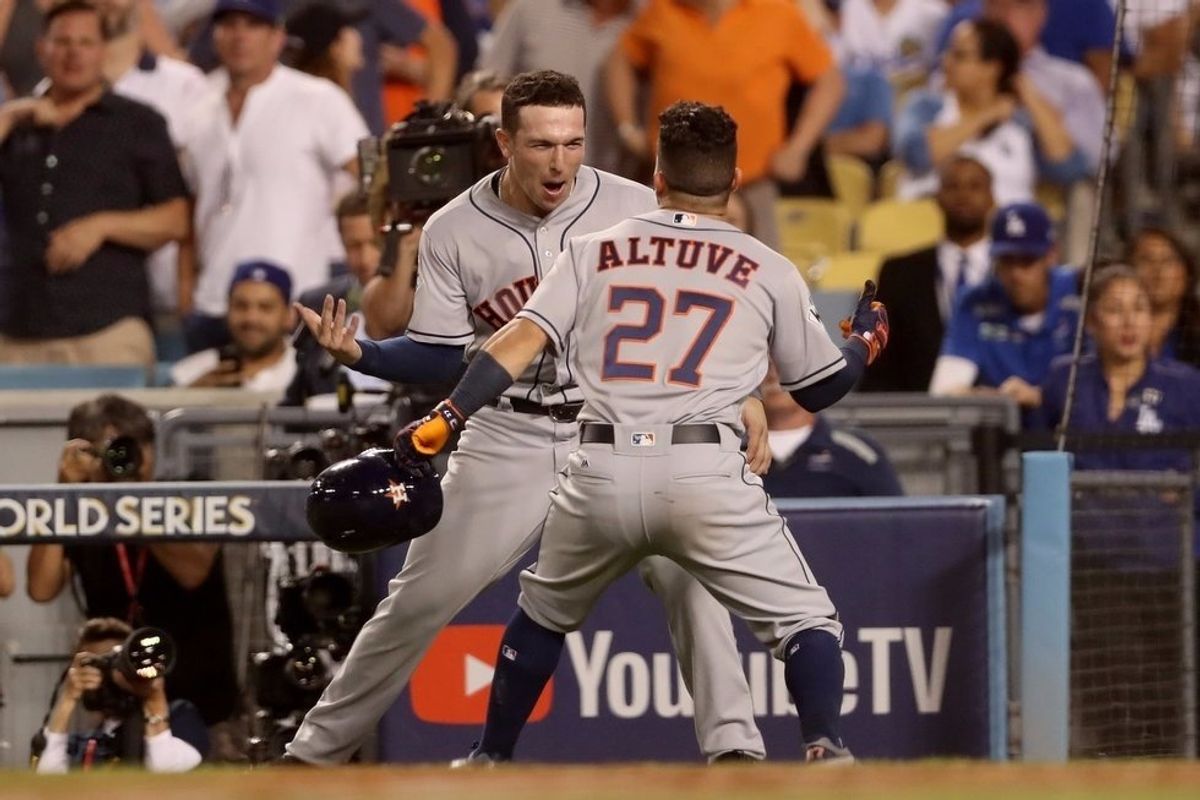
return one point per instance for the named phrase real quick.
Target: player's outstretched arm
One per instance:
(398, 359)
(503, 357)
(866, 336)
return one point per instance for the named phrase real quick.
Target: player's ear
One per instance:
(660, 183)
(737, 180)
(504, 142)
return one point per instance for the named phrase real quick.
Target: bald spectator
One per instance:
(570, 36)
(267, 153)
(920, 288)
(740, 54)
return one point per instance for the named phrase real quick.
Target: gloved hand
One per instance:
(869, 323)
(426, 437)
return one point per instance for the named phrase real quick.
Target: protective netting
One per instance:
(1132, 615)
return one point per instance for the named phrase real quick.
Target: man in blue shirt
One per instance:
(1004, 333)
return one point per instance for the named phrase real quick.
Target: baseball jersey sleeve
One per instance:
(441, 313)
(556, 300)
(800, 346)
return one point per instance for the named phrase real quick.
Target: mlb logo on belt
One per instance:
(642, 439)
(453, 681)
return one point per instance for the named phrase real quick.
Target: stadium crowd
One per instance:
(176, 174)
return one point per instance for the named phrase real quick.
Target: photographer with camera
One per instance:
(178, 587)
(117, 676)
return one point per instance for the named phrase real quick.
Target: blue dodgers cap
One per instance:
(266, 272)
(266, 10)
(1021, 229)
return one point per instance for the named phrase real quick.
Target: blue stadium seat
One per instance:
(70, 376)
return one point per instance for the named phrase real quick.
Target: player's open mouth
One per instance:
(553, 188)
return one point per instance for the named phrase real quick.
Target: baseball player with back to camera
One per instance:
(480, 258)
(668, 320)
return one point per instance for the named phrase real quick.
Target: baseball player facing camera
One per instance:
(481, 257)
(667, 321)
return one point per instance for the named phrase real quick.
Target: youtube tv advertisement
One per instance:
(918, 587)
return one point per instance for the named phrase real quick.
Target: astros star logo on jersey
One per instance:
(398, 493)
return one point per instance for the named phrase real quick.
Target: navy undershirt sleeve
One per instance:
(402, 360)
(828, 391)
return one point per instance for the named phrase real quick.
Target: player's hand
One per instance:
(869, 323)
(758, 451)
(426, 437)
(330, 330)
(74, 243)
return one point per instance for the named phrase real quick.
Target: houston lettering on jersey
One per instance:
(662, 251)
(505, 303)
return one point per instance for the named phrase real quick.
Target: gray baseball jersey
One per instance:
(668, 319)
(479, 261)
(665, 318)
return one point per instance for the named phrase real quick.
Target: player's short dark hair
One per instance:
(697, 148)
(355, 203)
(102, 629)
(89, 419)
(57, 10)
(545, 87)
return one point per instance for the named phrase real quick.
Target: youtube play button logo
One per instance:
(452, 683)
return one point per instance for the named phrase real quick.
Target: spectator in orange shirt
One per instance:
(740, 54)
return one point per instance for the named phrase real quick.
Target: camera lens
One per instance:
(122, 457)
(429, 165)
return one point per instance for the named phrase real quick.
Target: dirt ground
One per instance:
(1159, 780)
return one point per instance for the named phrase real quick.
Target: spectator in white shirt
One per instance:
(894, 36)
(169, 86)
(260, 356)
(267, 152)
(174, 739)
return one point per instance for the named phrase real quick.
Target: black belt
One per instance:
(597, 433)
(566, 412)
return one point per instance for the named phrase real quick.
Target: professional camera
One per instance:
(121, 458)
(304, 460)
(431, 156)
(147, 654)
(320, 616)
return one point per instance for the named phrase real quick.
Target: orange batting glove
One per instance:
(428, 436)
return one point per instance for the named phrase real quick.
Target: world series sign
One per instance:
(71, 513)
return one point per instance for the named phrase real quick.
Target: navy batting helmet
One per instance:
(370, 501)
